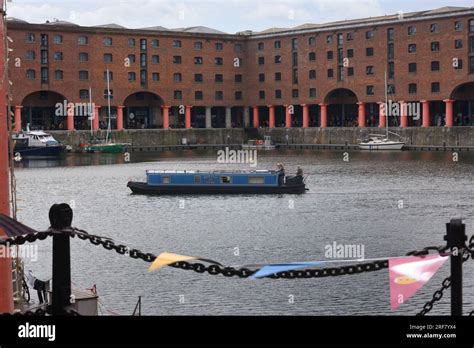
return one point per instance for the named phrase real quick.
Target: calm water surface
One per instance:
(354, 202)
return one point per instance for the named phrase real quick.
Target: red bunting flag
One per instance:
(410, 274)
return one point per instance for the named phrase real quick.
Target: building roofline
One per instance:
(248, 35)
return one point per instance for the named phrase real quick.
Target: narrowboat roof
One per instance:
(255, 172)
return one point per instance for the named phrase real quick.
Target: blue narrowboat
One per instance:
(218, 182)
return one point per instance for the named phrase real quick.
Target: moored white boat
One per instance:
(380, 143)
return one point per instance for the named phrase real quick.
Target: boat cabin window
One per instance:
(197, 179)
(166, 180)
(226, 180)
(256, 180)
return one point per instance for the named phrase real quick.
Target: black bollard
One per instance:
(456, 240)
(60, 217)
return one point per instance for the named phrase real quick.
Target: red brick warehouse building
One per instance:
(328, 75)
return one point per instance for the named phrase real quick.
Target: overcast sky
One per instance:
(226, 15)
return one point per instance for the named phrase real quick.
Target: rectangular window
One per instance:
(312, 92)
(30, 37)
(330, 55)
(412, 68)
(58, 56)
(471, 44)
(198, 45)
(143, 60)
(369, 34)
(143, 77)
(111, 75)
(312, 74)
(261, 77)
(176, 43)
(261, 46)
(82, 40)
(44, 57)
(132, 76)
(30, 55)
(177, 77)
(350, 71)
(198, 95)
(226, 180)
(434, 28)
(295, 76)
(295, 59)
(278, 94)
(390, 34)
(312, 41)
(277, 44)
(471, 26)
(458, 44)
(155, 59)
(238, 95)
(219, 61)
(435, 47)
(391, 89)
(294, 44)
(370, 90)
(58, 39)
(83, 75)
(471, 65)
(369, 70)
(178, 95)
(350, 53)
(83, 94)
(238, 78)
(412, 48)
(219, 46)
(44, 75)
(350, 36)
(131, 58)
(30, 74)
(391, 51)
(143, 44)
(131, 42)
(58, 75)
(412, 88)
(198, 78)
(238, 48)
(44, 40)
(198, 60)
(83, 56)
(261, 60)
(391, 70)
(166, 180)
(261, 95)
(107, 41)
(176, 59)
(278, 76)
(295, 93)
(329, 39)
(219, 78)
(435, 87)
(155, 43)
(340, 39)
(435, 66)
(155, 76)
(277, 59)
(256, 180)
(458, 26)
(312, 56)
(330, 73)
(108, 57)
(411, 30)
(369, 51)
(219, 95)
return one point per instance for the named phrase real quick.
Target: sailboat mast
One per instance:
(109, 128)
(386, 104)
(91, 111)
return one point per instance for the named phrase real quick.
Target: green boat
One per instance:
(106, 148)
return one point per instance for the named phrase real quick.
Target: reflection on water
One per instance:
(349, 202)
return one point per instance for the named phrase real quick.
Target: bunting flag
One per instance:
(410, 274)
(283, 267)
(165, 259)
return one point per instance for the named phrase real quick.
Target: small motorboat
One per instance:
(380, 142)
(36, 143)
(218, 182)
(265, 144)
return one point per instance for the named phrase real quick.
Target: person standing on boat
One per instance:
(281, 174)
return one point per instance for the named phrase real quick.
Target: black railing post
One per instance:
(456, 240)
(60, 217)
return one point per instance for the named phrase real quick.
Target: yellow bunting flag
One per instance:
(165, 259)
